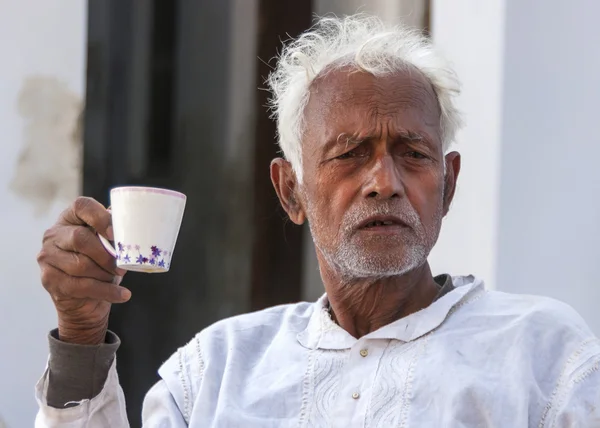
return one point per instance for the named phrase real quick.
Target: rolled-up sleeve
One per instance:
(107, 409)
(78, 372)
(80, 388)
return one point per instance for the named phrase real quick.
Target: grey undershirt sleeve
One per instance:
(78, 372)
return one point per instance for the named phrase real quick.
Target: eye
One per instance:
(347, 155)
(355, 152)
(416, 155)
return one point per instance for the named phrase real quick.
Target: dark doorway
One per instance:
(159, 103)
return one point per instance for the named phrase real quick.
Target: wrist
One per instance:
(82, 335)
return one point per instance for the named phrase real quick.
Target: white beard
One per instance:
(352, 260)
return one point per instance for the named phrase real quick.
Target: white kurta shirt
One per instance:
(474, 358)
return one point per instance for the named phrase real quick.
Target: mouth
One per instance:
(378, 222)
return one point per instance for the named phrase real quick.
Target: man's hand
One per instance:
(79, 274)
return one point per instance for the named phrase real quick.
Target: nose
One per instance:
(384, 180)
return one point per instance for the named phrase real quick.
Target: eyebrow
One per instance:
(356, 139)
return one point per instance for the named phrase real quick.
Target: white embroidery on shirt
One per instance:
(324, 374)
(307, 386)
(200, 361)
(185, 387)
(408, 387)
(392, 390)
(583, 376)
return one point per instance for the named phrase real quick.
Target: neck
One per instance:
(363, 305)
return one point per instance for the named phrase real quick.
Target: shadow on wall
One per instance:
(49, 165)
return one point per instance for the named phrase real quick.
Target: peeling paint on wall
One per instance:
(49, 167)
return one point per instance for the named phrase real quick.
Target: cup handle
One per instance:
(106, 243)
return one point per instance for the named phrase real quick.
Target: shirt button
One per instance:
(355, 395)
(364, 352)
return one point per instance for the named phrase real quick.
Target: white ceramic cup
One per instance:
(146, 222)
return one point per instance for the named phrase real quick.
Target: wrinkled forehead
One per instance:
(344, 99)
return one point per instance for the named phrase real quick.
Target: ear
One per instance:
(287, 189)
(452, 160)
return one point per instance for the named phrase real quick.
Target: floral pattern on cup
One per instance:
(132, 253)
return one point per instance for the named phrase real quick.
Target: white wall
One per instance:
(527, 215)
(550, 206)
(470, 33)
(44, 39)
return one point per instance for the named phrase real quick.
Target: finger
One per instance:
(75, 264)
(80, 239)
(61, 284)
(88, 212)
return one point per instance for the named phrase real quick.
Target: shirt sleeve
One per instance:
(78, 372)
(579, 406)
(160, 409)
(107, 409)
(96, 400)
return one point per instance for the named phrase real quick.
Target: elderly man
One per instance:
(365, 116)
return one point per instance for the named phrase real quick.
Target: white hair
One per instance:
(367, 44)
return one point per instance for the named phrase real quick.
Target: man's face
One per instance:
(373, 188)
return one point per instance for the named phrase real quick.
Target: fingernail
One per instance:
(117, 279)
(125, 294)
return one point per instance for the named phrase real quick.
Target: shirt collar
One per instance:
(323, 333)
